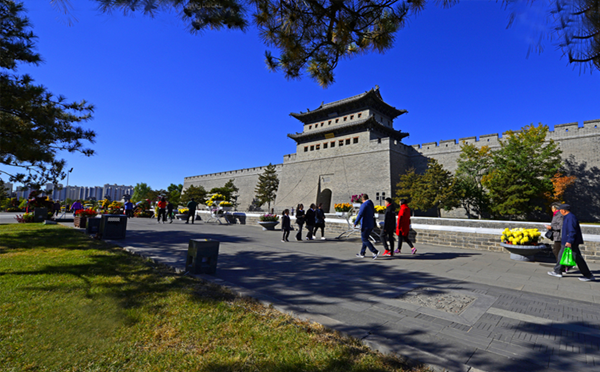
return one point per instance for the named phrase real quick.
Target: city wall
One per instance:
(244, 179)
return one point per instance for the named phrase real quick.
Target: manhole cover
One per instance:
(450, 302)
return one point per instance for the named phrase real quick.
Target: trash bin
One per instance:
(113, 226)
(202, 256)
(93, 225)
(40, 214)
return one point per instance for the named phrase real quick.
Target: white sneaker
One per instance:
(552, 273)
(375, 255)
(360, 255)
(283, 241)
(323, 238)
(590, 279)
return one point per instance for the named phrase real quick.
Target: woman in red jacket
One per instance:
(403, 226)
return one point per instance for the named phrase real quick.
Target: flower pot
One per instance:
(80, 222)
(341, 214)
(524, 252)
(182, 216)
(356, 205)
(227, 209)
(268, 225)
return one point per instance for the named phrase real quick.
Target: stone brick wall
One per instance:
(244, 179)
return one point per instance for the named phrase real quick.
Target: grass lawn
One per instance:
(68, 303)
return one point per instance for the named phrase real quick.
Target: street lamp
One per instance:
(66, 191)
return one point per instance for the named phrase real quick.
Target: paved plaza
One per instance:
(454, 309)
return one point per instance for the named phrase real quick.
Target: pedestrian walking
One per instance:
(555, 229)
(162, 210)
(191, 205)
(571, 238)
(310, 221)
(320, 221)
(128, 207)
(403, 227)
(366, 218)
(170, 213)
(76, 206)
(286, 225)
(56, 208)
(389, 228)
(300, 219)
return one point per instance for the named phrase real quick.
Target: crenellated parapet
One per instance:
(561, 132)
(233, 173)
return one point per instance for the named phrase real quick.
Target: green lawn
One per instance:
(68, 303)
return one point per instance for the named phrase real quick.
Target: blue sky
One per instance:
(170, 104)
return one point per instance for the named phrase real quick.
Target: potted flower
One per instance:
(522, 243)
(379, 209)
(269, 221)
(356, 200)
(226, 206)
(342, 209)
(81, 217)
(24, 218)
(182, 214)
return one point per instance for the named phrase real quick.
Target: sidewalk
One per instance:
(454, 309)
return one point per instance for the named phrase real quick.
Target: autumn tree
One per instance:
(229, 191)
(409, 188)
(267, 186)
(35, 125)
(560, 184)
(174, 193)
(141, 191)
(522, 170)
(198, 193)
(472, 165)
(438, 188)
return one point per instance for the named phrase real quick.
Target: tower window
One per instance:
(351, 117)
(312, 148)
(355, 140)
(347, 141)
(337, 120)
(305, 148)
(325, 145)
(341, 143)
(359, 114)
(318, 147)
(332, 143)
(329, 122)
(310, 127)
(345, 118)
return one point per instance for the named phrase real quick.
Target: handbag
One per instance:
(567, 257)
(549, 234)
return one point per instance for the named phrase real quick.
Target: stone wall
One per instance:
(244, 179)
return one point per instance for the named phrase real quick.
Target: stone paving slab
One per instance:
(531, 321)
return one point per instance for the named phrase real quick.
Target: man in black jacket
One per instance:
(389, 228)
(310, 221)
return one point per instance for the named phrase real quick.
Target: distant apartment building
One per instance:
(58, 192)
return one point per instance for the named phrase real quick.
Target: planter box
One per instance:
(524, 252)
(80, 222)
(92, 225)
(181, 216)
(40, 214)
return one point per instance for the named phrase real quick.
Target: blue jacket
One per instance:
(366, 213)
(571, 231)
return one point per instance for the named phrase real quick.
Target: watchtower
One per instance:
(346, 147)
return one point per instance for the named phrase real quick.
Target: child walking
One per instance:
(286, 225)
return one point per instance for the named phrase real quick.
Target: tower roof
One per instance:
(368, 123)
(371, 98)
